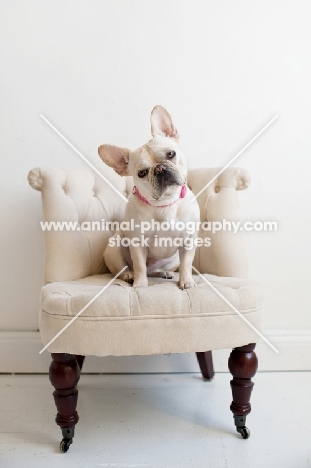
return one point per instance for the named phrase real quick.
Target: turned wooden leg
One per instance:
(206, 364)
(64, 376)
(243, 366)
(80, 360)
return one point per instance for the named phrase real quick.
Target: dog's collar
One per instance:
(171, 201)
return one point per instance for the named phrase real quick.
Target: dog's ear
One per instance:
(162, 123)
(115, 157)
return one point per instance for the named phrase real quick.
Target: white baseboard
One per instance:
(19, 353)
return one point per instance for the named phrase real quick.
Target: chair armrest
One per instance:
(226, 255)
(76, 196)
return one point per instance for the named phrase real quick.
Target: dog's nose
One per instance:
(159, 168)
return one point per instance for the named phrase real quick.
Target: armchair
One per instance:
(158, 319)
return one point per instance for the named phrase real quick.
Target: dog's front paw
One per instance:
(186, 284)
(140, 282)
(128, 276)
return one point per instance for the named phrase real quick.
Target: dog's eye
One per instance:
(142, 173)
(171, 154)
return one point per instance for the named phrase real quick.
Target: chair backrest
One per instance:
(82, 197)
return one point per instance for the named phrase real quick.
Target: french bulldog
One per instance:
(160, 194)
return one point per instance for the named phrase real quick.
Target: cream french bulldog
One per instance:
(160, 194)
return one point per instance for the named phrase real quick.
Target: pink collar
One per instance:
(182, 194)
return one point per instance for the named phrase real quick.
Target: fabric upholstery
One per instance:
(160, 318)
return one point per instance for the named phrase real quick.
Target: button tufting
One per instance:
(217, 188)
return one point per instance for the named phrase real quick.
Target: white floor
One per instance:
(166, 420)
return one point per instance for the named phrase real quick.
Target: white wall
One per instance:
(223, 69)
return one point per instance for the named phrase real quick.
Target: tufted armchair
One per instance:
(157, 319)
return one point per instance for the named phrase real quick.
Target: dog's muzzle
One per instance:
(165, 175)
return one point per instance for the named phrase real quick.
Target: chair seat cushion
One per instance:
(157, 319)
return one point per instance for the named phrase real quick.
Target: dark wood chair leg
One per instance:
(80, 360)
(243, 365)
(205, 360)
(64, 376)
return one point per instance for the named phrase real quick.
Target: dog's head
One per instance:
(158, 168)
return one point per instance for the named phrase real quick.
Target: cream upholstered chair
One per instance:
(157, 319)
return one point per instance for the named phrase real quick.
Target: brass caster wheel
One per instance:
(68, 433)
(64, 445)
(244, 431)
(239, 422)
